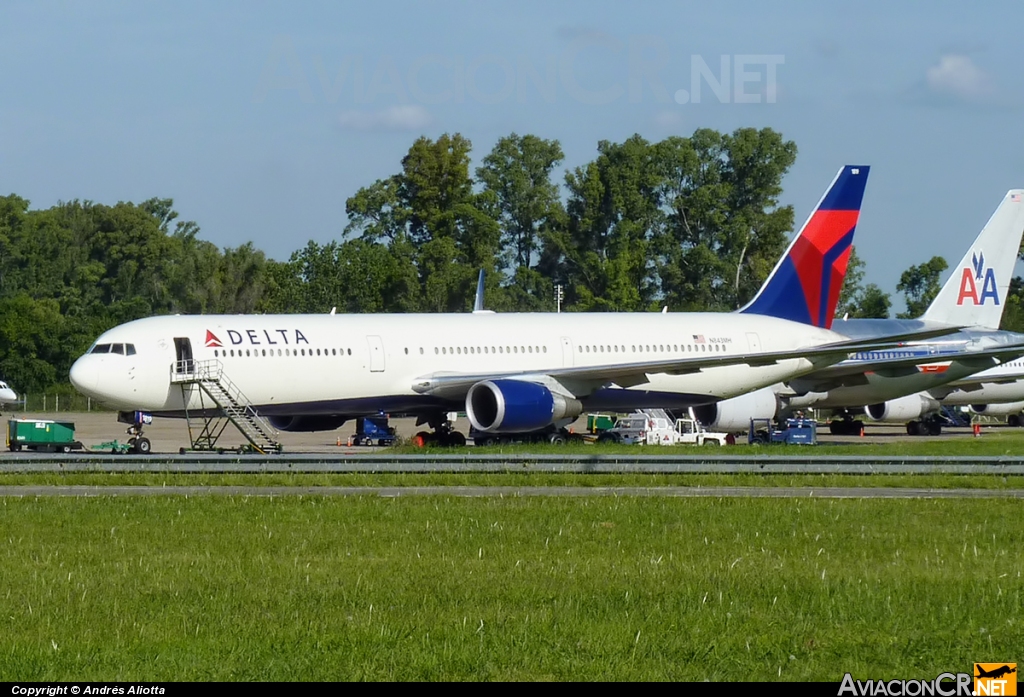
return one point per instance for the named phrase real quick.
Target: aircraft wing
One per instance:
(853, 372)
(453, 385)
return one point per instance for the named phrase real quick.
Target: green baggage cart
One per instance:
(40, 434)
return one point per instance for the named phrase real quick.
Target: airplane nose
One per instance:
(85, 375)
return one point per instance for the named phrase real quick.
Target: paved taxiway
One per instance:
(169, 435)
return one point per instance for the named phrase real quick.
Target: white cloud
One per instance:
(957, 76)
(404, 117)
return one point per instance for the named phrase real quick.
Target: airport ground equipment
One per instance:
(38, 434)
(374, 429)
(113, 446)
(596, 423)
(220, 402)
(656, 427)
(796, 431)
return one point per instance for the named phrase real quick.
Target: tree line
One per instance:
(693, 223)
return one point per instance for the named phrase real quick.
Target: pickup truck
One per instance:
(650, 429)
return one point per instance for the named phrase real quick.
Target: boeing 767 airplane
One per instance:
(511, 373)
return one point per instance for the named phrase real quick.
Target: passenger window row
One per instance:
(469, 350)
(263, 353)
(655, 348)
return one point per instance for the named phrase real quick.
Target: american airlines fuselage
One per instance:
(359, 364)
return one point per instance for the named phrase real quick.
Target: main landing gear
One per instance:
(136, 441)
(444, 433)
(846, 426)
(932, 426)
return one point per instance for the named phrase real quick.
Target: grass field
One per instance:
(314, 588)
(930, 481)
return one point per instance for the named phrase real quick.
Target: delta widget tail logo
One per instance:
(805, 285)
(977, 284)
(212, 341)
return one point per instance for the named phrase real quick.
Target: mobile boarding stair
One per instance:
(220, 402)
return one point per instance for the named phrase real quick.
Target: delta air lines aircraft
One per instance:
(511, 373)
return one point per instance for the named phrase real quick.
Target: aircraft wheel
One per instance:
(1013, 420)
(420, 440)
(934, 428)
(914, 428)
(556, 439)
(836, 428)
(455, 440)
(142, 446)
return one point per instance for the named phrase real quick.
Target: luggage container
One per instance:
(48, 436)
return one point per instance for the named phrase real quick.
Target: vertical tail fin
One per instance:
(805, 284)
(975, 294)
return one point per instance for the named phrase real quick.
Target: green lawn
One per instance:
(311, 588)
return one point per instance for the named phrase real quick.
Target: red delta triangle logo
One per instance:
(212, 341)
(977, 284)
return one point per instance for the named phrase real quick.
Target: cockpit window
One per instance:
(120, 349)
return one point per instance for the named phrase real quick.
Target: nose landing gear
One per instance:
(136, 441)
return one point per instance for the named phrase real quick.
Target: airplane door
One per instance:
(753, 342)
(568, 359)
(183, 355)
(376, 354)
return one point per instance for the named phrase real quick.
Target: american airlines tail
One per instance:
(805, 284)
(975, 294)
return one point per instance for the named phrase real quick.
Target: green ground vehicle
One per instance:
(48, 436)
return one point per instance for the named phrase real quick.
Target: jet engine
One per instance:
(901, 410)
(516, 406)
(1007, 409)
(734, 415)
(306, 423)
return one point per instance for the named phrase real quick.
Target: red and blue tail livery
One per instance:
(805, 284)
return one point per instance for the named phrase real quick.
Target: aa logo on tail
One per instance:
(978, 284)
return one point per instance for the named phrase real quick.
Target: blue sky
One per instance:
(261, 118)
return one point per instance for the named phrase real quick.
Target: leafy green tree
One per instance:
(431, 214)
(858, 300)
(920, 285)
(612, 214)
(873, 302)
(518, 172)
(1013, 310)
(724, 230)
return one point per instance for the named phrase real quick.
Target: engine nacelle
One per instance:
(1007, 409)
(516, 406)
(306, 424)
(901, 410)
(734, 415)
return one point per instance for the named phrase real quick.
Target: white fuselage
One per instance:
(992, 386)
(359, 364)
